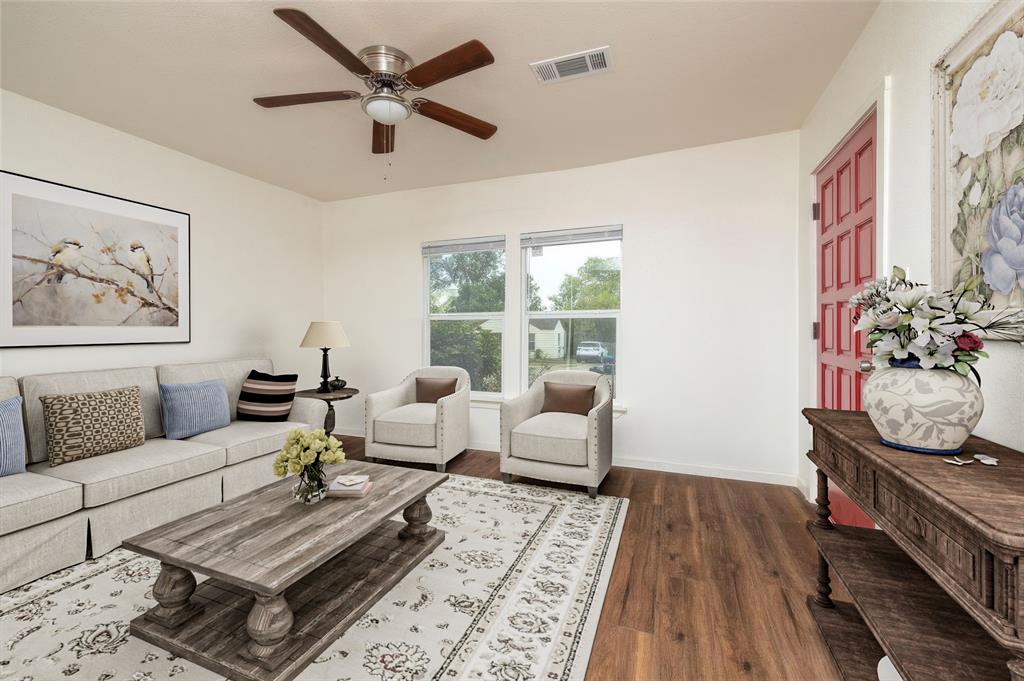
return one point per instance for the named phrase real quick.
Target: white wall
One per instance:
(708, 346)
(902, 40)
(255, 247)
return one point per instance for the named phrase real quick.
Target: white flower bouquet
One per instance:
(909, 325)
(305, 453)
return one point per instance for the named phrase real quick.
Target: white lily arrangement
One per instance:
(910, 325)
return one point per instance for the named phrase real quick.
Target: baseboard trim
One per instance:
(658, 465)
(707, 471)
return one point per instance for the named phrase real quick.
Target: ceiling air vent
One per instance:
(575, 65)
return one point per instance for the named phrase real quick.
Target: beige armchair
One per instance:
(399, 428)
(556, 446)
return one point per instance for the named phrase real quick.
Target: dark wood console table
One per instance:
(940, 588)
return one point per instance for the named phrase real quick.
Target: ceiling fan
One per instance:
(389, 73)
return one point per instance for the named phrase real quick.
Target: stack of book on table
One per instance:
(350, 486)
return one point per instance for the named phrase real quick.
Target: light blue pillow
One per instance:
(12, 437)
(193, 408)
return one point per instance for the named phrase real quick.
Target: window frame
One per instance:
(526, 314)
(461, 246)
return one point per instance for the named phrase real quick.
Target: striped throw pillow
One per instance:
(193, 408)
(266, 397)
(12, 437)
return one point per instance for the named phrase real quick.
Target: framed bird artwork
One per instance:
(79, 267)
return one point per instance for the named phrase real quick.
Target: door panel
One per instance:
(846, 261)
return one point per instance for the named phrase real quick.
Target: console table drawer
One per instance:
(844, 467)
(955, 555)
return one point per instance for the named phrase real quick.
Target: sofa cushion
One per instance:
(414, 425)
(266, 397)
(28, 499)
(12, 437)
(122, 474)
(34, 387)
(554, 437)
(193, 408)
(244, 440)
(82, 425)
(232, 372)
(8, 388)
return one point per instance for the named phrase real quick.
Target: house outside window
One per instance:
(465, 308)
(571, 300)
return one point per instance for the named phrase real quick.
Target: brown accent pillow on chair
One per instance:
(568, 397)
(82, 425)
(432, 389)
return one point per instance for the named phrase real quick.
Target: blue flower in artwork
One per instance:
(1003, 260)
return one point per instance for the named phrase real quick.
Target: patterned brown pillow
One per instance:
(81, 425)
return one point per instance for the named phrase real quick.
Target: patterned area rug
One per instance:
(513, 594)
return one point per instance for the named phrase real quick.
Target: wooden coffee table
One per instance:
(286, 580)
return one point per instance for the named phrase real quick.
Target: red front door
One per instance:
(846, 261)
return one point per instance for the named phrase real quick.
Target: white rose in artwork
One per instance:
(990, 102)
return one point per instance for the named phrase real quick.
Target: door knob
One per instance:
(865, 366)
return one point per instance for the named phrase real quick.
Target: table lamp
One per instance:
(325, 335)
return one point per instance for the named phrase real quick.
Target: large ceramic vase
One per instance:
(930, 411)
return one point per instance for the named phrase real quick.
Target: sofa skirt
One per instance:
(112, 523)
(248, 475)
(37, 551)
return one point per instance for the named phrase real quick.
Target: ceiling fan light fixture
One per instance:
(386, 107)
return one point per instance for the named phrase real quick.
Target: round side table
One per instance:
(330, 398)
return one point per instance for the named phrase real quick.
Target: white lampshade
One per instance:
(325, 335)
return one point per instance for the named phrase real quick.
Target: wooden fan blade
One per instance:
(456, 119)
(307, 98)
(316, 33)
(456, 61)
(383, 138)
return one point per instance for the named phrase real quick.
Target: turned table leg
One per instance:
(173, 590)
(268, 625)
(417, 515)
(329, 419)
(823, 594)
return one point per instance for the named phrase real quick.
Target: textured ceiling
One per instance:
(183, 75)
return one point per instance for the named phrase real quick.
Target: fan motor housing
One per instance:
(386, 59)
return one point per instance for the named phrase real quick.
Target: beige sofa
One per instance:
(50, 515)
(555, 446)
(401, 429)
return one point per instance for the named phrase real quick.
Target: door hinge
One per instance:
(815, 211)
(815, 330)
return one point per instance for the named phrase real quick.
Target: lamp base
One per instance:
(325, 374)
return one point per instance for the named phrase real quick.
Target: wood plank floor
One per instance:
(709, 581)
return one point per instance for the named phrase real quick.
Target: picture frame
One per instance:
(80, 267)
(978, 158)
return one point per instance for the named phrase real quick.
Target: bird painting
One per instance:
(66, 253)
(139, 259)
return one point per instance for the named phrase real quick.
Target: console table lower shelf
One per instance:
(899, 610)
(324, 603)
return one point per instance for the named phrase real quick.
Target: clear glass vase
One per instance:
(310, 489)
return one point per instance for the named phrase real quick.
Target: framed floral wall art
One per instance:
(82, 268)
(979, 157)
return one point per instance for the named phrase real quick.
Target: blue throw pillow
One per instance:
(12, 437)
(193, 408)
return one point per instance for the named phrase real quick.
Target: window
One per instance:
(465, 291)
(572, 282)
